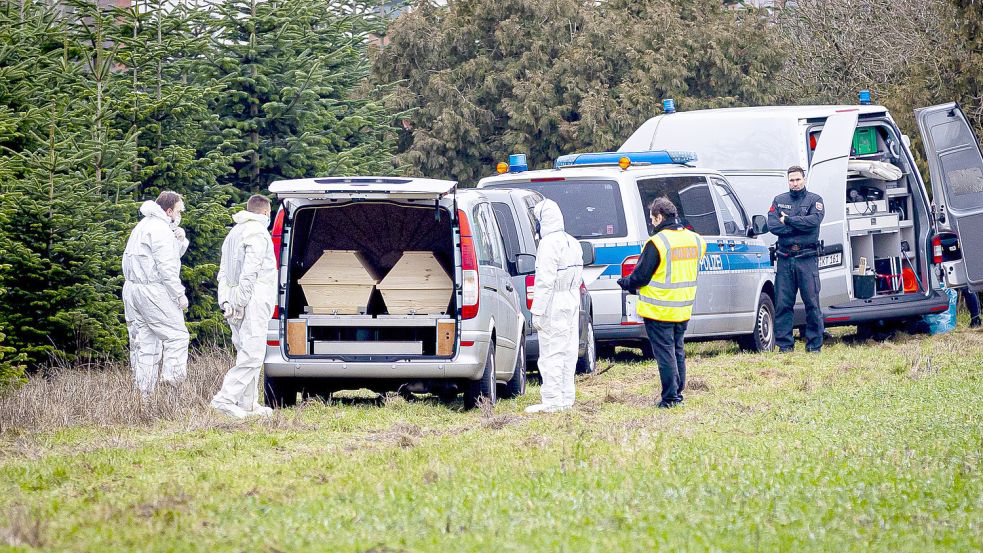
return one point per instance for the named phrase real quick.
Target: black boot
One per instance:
(975, 322)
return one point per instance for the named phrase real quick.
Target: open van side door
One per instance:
(956, 168)
(827, 177)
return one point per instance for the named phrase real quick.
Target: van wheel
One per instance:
(279, 392)
(484, 387)
(763, 338)
(516, 386)
(588, 363)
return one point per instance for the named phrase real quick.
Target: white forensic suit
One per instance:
(154, 300)
(556, 307)
(247, 289)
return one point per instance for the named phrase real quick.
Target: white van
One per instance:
(886, 219)
(605, 205)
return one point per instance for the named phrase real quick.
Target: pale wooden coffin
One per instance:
(418, 285)
(340, 282)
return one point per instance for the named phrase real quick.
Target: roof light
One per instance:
(669, 106)
(517, 163)
(502, 167)
(624, 162)
(864, 97)
(655, 157)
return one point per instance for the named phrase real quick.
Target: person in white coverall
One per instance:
(153, 296)
(556, 307)
(247, 289)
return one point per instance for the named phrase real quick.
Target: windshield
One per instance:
(591, 208)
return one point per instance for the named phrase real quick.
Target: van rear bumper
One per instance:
(468, 364)
(860, 311)
(617, 333)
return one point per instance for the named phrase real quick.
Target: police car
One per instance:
(604, 198)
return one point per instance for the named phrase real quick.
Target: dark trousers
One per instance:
(667, 343)
(972, 302)
(798, 275)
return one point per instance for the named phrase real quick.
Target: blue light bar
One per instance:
(669, 105)
(517, 163)
(864, 97)
(655, 157)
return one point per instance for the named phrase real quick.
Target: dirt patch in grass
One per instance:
(20, 528)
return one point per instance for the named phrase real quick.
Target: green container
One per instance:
(865, 141)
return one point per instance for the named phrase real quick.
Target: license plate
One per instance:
(631, 312)
(831, 260)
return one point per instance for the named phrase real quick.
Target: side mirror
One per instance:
(587, 249)
(759, 226)
(525, 263)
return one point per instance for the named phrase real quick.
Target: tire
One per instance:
(516, 386)
(604, 349)
(484, 387)
(279, 392)
(588, 363)
(763, 337)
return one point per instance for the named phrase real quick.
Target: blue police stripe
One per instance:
(743, 257)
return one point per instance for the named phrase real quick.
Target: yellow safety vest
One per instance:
(670, 295)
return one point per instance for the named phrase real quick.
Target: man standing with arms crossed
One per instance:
(247, 289)
(795, 218)
(665, 280)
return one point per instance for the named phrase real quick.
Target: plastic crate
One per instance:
(865, 141)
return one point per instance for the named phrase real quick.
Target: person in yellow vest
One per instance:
(665, 281)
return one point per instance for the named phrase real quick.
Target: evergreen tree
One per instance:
(547, 77)
(292, 68)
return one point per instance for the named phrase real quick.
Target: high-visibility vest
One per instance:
(670, 295)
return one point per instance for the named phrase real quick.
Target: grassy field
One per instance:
(870, 447)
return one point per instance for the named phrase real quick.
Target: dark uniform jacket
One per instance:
(804, 212)
(648, 262)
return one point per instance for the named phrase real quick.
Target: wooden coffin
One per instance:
(340, 282)
(417, 285)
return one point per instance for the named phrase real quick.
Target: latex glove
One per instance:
(227, 311)
(623, 283)
(182, 302)
(179, 234)
(537, 322)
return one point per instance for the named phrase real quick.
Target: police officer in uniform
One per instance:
(665, 280)
(794, 218)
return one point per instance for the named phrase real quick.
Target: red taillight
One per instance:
(470, 289)
(277, 236)
(936, 249)
(628, 265)
(812, 141)
(273, 343)
(467, 344)
(530, 288)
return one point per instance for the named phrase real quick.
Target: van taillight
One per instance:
(277, 236)
(628, 265)
(470, 288)
(530, 288)
(937, 249)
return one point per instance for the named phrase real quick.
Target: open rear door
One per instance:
(363, 188)
(956, 168)
(827, 177)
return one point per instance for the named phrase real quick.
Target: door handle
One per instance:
(490, 288)
(509, 287)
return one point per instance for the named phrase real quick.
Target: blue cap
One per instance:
(864, 97)
(669, 105)
(517, 163)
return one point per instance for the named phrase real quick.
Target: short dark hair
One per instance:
(663, 206)
(796, 169)
(168, 199)
(257, 203)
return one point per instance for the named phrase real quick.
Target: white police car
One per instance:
(604, 198)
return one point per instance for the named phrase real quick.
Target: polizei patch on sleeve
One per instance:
(819, 206)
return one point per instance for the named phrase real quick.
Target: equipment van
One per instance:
(604, 198)
(878, 212)
(391, 283)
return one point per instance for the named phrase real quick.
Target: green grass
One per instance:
(873, 447)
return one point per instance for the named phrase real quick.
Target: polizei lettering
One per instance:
(712, 263)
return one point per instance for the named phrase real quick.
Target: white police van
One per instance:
(604, 198)
(878, 211)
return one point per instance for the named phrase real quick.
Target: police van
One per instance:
(886, 244)
(604, 198)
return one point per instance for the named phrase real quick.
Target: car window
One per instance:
(531, 201)
(734, 222)
(491, 244)
(691, 196)
(591, 208)
(479, 234)
(506, 222)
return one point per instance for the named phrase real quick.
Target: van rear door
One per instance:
(956, 168)
(363, 188)
(827, 177)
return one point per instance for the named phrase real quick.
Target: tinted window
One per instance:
(734, 222)
(531, 200)
(692, 198)
(486, 238)
(591, 209)
(506, 222)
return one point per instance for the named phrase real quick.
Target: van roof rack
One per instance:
(653, 157)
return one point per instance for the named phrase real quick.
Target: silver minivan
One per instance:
(471, 346)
